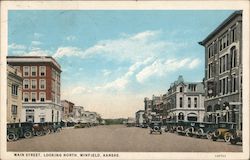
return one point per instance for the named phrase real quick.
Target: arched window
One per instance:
(209, 108)
(181, 116)
(233, 54)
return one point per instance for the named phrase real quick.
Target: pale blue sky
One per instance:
(112, 59)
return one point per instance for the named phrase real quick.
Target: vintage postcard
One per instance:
(124, 80)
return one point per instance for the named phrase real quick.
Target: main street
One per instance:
(118, 138)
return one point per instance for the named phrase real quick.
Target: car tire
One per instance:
(227, 137)
(233, 141)
(11, 137)
(214, 138)
(27, 134)
(39, 133)
(209, 135)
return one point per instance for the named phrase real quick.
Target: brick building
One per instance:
(67, 109)
(223, 71)
(41, 87)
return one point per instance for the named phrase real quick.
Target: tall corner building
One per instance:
(223, 71)
(41, 88)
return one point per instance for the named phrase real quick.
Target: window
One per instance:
(224, 63)
(210, 70)
(224, 41)
(14, 109)
(26, 84)
(210, 51)
(233, 83)
(42, 120)
(42, 96)
(215, 48)
(180, 89)
(26, 71)
(33, 84)
(180, 102)
(195, 102)
(189, 102)
(233, 57)
(33, 96)
(14, 89)
(224, 86)
(42, 70)
(33, 71)
(53, 97)
(42, 84)
(26, 96)
(233, 34)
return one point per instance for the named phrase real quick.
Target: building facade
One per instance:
(14, 94)
(41, 87)
(223, 71)
(67, 109)
(139, 117)
(184, 101)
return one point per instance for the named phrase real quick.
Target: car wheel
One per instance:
(11, 137)
(209, 135)
(47, 132)
(233, 141)
(214, 138)
(39, 133)
(27, 134)
(227, 137)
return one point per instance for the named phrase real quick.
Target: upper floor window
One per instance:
(224, 63)
(14, 109)
(42, 71)
(33, 84)
(233, 57)
(210, 51)
(224, 86)
(33, 96)
(233, 83)
(42, 96)
(26, 96)
(33, 71)
(189, 102)
(14, 89)
(233, 34)
(26, 84)
(181, 102)
(26, 71)
(195, 102)
(42, 84)
(224, 41)
(180, 89)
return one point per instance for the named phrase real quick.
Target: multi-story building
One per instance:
(89, 117)
(223, 71)
(77, 112)
(14, 94)
(139, 117)
(41, 87)
(185, 101)
(153, 108)
(67, 109)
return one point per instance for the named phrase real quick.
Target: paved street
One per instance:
(118, 138)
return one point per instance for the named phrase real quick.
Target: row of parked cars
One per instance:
(223, 130)
(16, 131)
(85, 125)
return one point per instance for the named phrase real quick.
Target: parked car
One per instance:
(224, 131)
(184, 127)
(39, 129)
(170, 126)
(206, 129)
(19, 130)
(236, 137)
(155, 126)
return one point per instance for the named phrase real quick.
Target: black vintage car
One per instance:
(155, 126)
(170, 126)
(19, 130)
(205, 130)
(236, 137)
(184, 127)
